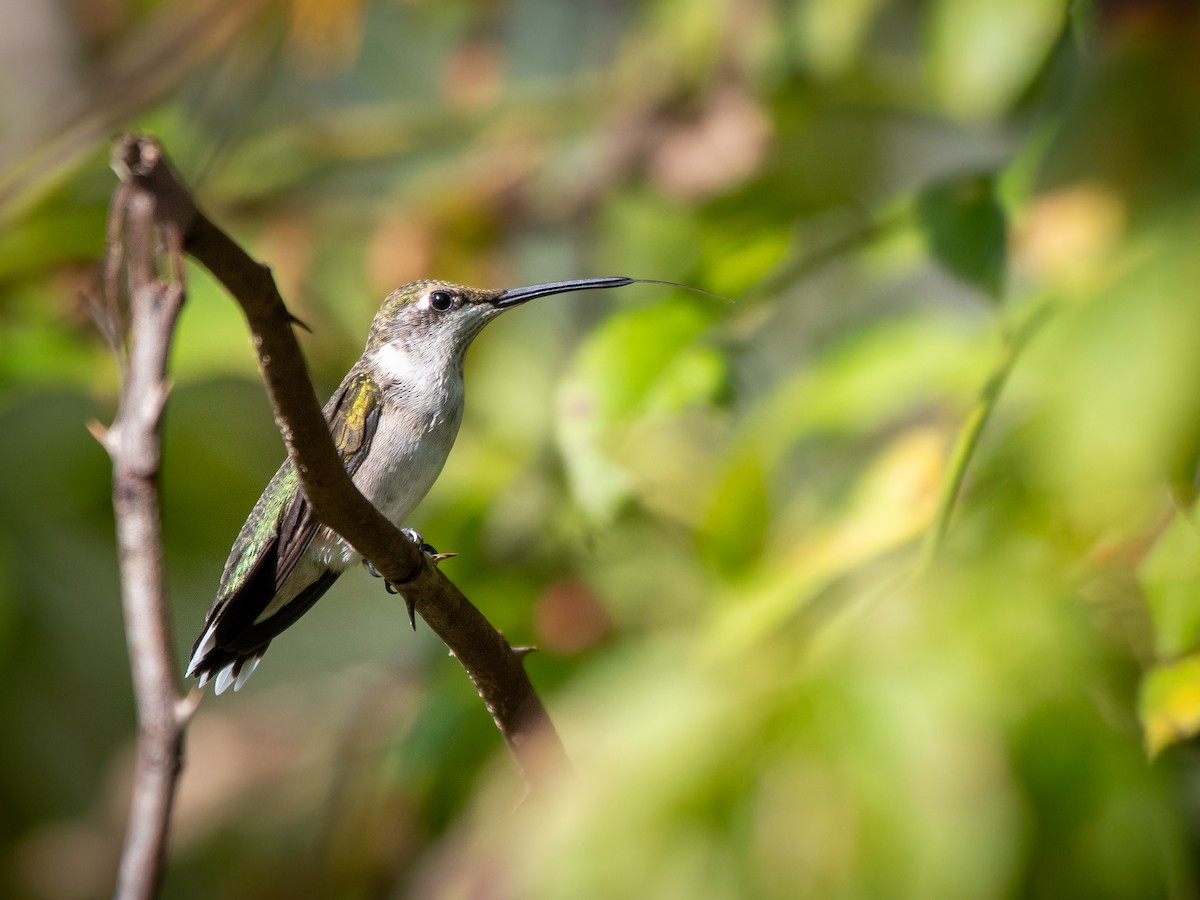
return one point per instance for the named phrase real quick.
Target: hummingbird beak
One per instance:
(517, 296)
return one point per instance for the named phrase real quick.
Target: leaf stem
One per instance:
(971, 432)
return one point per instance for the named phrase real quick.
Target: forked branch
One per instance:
(141, 341)
(492, 664)
(156, 209)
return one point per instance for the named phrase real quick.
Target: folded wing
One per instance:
(270, 579)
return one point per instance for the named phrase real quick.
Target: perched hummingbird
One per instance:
(393, 419)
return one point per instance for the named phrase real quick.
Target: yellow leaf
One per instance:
(1170, 703)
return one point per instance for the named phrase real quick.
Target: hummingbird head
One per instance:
(436, 320)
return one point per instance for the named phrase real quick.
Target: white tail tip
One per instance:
(248, 668)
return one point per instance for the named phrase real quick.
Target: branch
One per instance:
(493, 665)
(133, 443)
(971, 432)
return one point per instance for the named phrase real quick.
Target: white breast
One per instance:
(422, 409)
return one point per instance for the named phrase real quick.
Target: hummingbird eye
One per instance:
(441, 300)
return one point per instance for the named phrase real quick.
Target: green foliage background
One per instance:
(878, 581)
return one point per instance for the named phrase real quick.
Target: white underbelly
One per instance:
(395, 482)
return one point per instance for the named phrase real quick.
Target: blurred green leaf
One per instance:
(65, 234)
(649, 236)
(1114, 410)
(636, 361)
(965, 227)
(833, 32)
(874, 377)
(1170, 576)
(984, 52)
(738, 518)
(739, 251)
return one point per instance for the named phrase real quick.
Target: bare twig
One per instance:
(134, 445)
(491, 663)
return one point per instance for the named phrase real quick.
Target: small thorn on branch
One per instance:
(298, 322)
(185, 707)
(159, 398)
(105, 312)
(99, 431)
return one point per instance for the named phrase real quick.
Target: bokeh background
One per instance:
(878, 580)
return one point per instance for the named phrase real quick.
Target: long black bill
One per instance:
(520, 295)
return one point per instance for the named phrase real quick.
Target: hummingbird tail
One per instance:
(233, 640)
(223, 667)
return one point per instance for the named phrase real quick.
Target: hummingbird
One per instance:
(393, 420)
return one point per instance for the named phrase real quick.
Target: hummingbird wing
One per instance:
(258, 596)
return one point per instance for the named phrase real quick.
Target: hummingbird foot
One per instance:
(428, 549)
(416, 537)
(434, 557)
